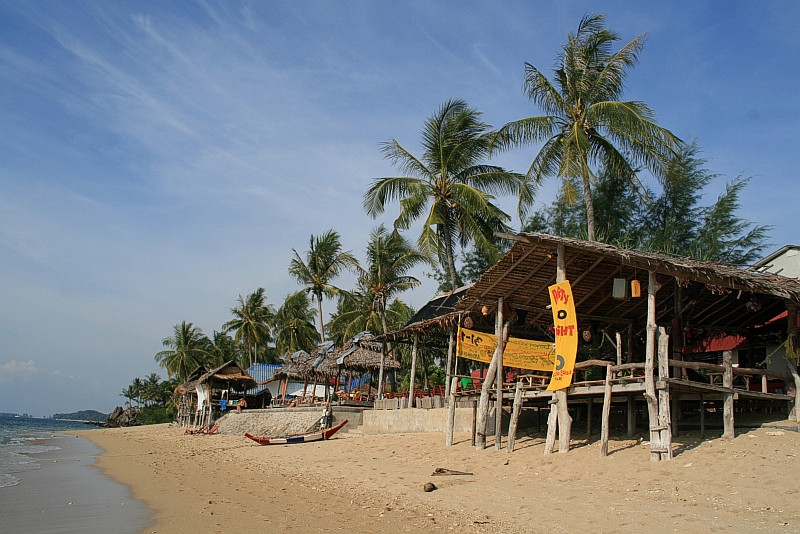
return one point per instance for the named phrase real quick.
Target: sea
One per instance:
(49, 482)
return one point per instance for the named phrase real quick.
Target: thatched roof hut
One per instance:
(229, 375)
(362, 353)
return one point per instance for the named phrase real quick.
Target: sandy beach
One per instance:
(371, 483)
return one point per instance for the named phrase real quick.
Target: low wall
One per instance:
(415, 420)
(282, 422)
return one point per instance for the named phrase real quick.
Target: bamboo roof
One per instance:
(705, 294)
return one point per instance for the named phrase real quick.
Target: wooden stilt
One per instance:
(501, 329)
(451, 342)
(474, 422)
(605, 424)
(413, 372)
(451, 412)
(631, 416)
(515, 410)
(649, 382)
(702, 417)
(664, 417)
(589, 403)
(727, 407)
(552, 425)
(498, 413)
(564, 421)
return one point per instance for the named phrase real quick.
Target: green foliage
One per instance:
(324, 262)
(449, 188)
(585, 125)
(153, 415)
(672, 222)
(252, 321)
(294, 325)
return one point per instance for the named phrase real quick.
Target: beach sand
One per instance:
(374, 483)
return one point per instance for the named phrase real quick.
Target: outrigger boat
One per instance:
(316, 436)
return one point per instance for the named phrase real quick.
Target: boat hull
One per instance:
(316, 436)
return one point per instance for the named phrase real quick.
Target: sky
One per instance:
(160, 158)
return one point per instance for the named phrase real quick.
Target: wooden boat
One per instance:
(316, 436)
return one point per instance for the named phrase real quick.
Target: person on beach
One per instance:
(242, 404)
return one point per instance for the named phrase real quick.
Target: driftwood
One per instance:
(440, 471)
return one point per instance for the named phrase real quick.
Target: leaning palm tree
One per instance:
(294, 325)
(252, 322)
(586, 125)
(188, 348)
(324, 261)
(449, 186)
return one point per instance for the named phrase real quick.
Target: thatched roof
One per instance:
(226, 376)
(297, 367)
(705, 294)
(439, 313)
(361, 353)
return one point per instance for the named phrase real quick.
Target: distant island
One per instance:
(83, 415)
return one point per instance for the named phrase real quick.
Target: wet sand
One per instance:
(69, 494)
(372, 483)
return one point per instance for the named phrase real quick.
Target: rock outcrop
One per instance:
(120, 417)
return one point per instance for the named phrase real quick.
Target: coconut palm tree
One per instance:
(586, 125)
(223, 349)
(294, 325)
(389, 258)
(449, 187)
(253, 318)
(324, 261)
(152, 389)
(188, 348)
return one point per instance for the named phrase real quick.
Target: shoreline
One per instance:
(66, 491)
(370, 483)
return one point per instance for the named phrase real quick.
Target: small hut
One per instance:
(359, 358)
(201, 393)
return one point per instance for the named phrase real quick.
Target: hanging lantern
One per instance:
(636, 289)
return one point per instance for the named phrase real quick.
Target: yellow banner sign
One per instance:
(566, 326)
(519, 353)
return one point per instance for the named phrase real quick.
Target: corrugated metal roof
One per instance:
(261, 372)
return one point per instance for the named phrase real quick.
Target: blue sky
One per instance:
(158, 159)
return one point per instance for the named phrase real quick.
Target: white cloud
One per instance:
(15, 370)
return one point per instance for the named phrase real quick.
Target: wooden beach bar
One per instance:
(657, 333)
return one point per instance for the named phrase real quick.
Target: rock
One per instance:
(428, 487)
(120, 417)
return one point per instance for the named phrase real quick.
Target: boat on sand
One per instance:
(315, 436)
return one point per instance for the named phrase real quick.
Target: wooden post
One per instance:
(702, 417)
(451, 413)
(589, 403)
(450, 349)
(604, 426)
(795, 413)
(727, 382)
(474, 421)
(552, 425)
(413, 372)
(649, 383)
(664, 418)
(515, 410)
(501, 378)
(559, 417)
(488, 381)
(631, 416)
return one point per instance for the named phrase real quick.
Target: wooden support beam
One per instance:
(413, 372)
(501, 329)
(498, 412)
(727, 407)
(605, 424)
(650, 387)
(451, 342)
(664, 419)
(515, 410)
(451, 413)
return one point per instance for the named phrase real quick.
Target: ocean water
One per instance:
(49, 483)
(22, 437)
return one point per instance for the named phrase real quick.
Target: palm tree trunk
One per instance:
(319, 316)
(587, 198)
(451, 262)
